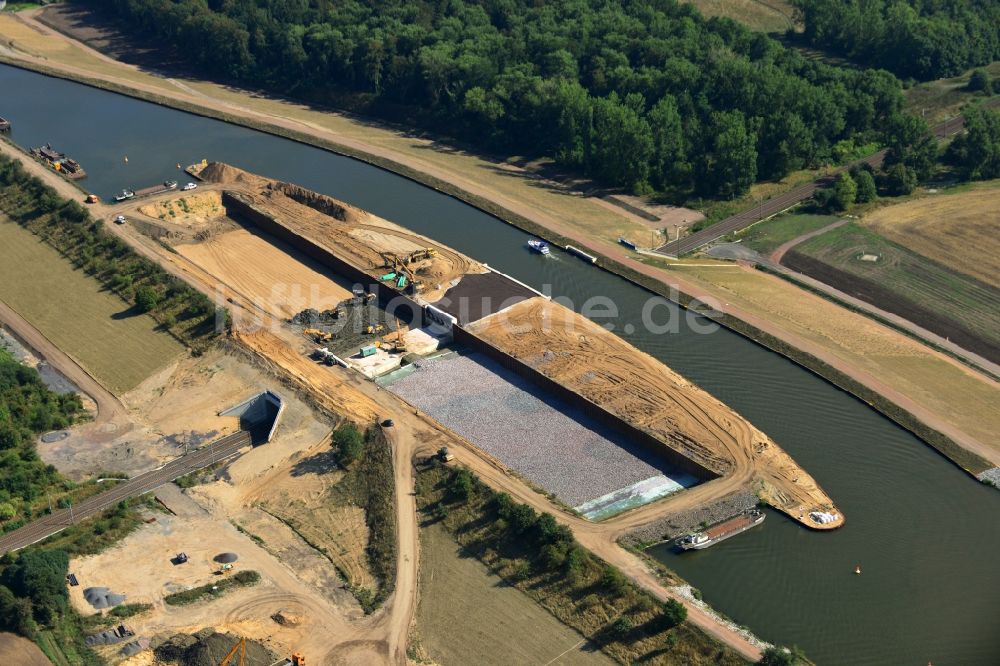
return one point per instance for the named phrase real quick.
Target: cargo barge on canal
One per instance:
(721, 531)
(67, 166)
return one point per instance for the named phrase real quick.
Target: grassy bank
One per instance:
(145, 288)
(653, 285)
(214, 590)
(542, 559)
(769, 235)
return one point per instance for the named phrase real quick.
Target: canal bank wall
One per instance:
(970, 462)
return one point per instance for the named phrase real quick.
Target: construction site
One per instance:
(381, 298)
(326, 298)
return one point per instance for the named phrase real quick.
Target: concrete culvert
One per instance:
(226, 558)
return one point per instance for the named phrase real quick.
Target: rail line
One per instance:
(57, 521)
(783, 202)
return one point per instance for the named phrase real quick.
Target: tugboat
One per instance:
(721, 531)
(124, 196)
(538, 246)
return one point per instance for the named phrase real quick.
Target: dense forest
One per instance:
(976, 153)
(68, 227)
(27, 408)
(637, 93)
(920, 39)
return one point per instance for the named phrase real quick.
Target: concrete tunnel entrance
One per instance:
(258, 415)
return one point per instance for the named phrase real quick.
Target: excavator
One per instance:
(399, 347)
(318, 335)
(296, 659)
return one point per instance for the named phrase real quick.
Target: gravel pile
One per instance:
(991, 476)
(690, 520)
(207, 648)
(555, 446)
(101, 597)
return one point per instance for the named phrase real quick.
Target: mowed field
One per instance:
(117, 346)
(957, 230)
(951, 304)
(763, 15)
(468, 615)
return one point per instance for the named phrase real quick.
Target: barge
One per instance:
(165, 186)
(67, 166)
(721, 531)
(4, 125)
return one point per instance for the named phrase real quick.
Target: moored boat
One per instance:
(721, 531)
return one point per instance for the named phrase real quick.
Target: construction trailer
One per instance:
(368, 350)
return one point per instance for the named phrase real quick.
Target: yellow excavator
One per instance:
(242, 647)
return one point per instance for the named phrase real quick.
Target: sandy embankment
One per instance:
(605, 369)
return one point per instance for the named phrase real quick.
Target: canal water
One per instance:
(926, 535)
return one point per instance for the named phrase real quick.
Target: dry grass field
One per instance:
(966, 401)
(119, 347)
(468, 615)
(763, 15)
(867, 266)
(957, 230)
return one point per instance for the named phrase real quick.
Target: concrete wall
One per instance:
(411, 312)
(647, 440)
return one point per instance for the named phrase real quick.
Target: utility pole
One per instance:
(71, 518)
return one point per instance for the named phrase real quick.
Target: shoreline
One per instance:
(945, 445)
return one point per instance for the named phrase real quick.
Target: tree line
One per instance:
(68, 227)
(919, 39)
(643, 94)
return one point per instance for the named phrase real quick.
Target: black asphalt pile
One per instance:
(226, 558)
(350, 327)
(208, 648)
(101, 597)
(482, 294)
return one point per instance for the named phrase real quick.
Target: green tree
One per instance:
(730, 168)
(461, 484)
(7, 511)
(781, 656)
(976, 153)
(900, 180)
(146, 299)
(41, 577)
(16, 614)
(867, 191)
(349, 442)
(980, 81)
(674, 612)
(845, 191)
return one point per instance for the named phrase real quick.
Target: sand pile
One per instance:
(220, 172)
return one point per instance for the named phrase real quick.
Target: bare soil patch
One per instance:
(276, 277)
(191, 210)
(18, 650)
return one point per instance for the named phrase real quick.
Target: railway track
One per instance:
(59, 520)
(785, 201)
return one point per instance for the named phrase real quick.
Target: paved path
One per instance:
(57, 521)
(788, 245)
(783, 202)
